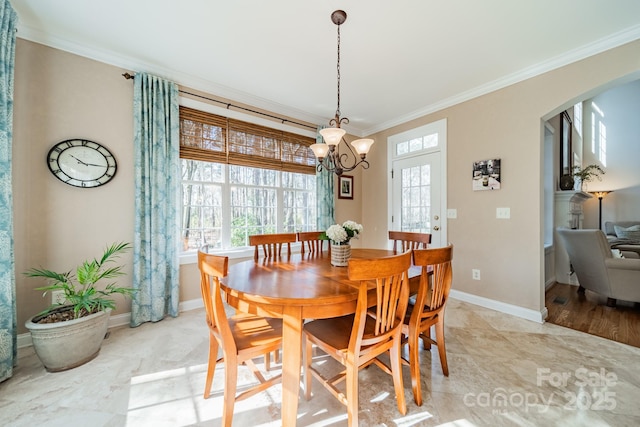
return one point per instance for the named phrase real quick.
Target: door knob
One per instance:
(436, 228)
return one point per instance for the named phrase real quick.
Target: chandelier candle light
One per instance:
(328, 154)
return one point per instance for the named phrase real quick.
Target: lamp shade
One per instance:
(363, 145)
(320, 150)
(332, 136)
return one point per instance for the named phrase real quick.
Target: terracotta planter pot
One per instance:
(65, 345)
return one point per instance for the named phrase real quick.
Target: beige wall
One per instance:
(59, 95)
(506, 124)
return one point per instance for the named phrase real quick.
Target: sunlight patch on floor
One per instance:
(175, 398)
(413, 419)
(458, 423)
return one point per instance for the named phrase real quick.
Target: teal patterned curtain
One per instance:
(8, 319)
(157, 189)
(325, 193)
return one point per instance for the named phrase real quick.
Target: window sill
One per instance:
(191, 257)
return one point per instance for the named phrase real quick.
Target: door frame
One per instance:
(439, 126)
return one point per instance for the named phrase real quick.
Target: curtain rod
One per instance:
(229, 105)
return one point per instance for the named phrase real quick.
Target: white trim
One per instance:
(184, 79)
(439, 127)
(502, 307)
(24, 340)
(591, 49)
(192, 304)
(124, 319)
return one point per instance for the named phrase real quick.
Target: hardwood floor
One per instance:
(589, 313)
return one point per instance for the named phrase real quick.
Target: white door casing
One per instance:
(417, 181)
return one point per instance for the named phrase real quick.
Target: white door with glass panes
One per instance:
(418, 193)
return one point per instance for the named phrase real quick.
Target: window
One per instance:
(577, 117)
(598, 134)
(240, 179)
(416, 144)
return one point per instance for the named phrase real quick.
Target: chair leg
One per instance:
(426, 343)
(352, 394)
(267, 362)
(211, 368)
(230, 380)
(442, 351)
(414, 364)
(396, 372)
(308, 358)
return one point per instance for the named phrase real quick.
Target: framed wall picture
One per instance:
(566, 156)
(345, 187)
(486, 175)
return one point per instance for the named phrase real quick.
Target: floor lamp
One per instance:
(600, 195)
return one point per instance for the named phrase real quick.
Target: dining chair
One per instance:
(242, 337)
(357, 340)
(313, 242)
(428, 310)
(406, 241)
(271, 244)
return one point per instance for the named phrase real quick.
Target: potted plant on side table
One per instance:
(587, 174)
(69, 334)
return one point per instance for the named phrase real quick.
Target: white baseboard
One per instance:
(549, 283)
(503, 307)
(191, 304)
(24, 340)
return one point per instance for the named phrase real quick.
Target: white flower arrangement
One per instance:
(342, 234)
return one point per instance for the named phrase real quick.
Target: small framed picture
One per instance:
(345, 187)
(486, 175)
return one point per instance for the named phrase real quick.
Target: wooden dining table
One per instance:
(295, 288)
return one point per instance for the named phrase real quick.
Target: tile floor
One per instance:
(504, 371)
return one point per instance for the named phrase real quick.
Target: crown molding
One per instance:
(187, 80)
(591, 49)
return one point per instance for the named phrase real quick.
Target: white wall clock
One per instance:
(82, 163)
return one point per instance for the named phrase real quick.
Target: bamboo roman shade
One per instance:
(209, 137)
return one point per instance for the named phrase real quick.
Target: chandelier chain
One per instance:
(328, 153)
(338, 69)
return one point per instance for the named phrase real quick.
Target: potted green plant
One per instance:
(69, 334)
(587, 174)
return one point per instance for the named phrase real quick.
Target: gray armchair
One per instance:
(596, 268)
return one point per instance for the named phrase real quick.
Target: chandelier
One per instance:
(328, 155)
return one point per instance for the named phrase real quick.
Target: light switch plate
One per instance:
(452, 213)
(503, 213)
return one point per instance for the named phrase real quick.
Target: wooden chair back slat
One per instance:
(311, 241)
(271, 244)
(407, 241)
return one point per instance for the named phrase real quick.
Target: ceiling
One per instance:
(397, 63)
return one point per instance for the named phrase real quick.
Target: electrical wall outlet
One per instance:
(57, 297)
(475, 274)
